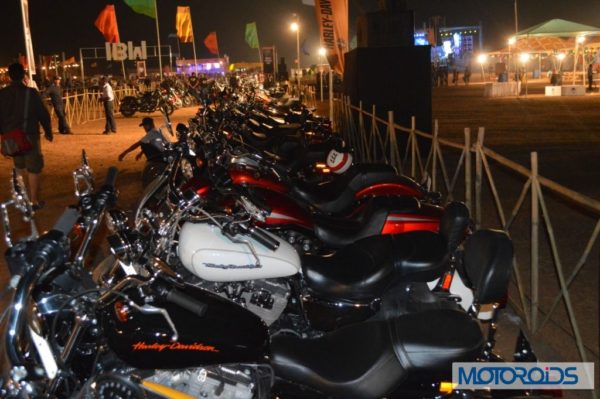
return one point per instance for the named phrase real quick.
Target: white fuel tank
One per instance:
(207, 253)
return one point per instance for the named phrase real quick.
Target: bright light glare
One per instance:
(524, 57)
(512, 41)
(482, 58)
(294, 26)
(322, 51)
(580, 39)
(561, 56)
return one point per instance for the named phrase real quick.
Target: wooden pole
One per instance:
(434, 143)
(413, 147)
(467, 151)
(331, 94)
(478, 176)
(535, 220)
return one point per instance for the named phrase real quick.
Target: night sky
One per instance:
(67, 25)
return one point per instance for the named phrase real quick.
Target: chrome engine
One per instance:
(265, 298)
(220, 382)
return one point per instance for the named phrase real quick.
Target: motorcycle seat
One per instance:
(338, 195)
(367, 268)
(337, 232)
(372, 359)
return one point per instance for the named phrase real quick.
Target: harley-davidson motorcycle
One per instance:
(154, 335)
(148, 102)
(366, 200)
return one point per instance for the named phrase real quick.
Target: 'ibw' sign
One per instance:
(125, 51)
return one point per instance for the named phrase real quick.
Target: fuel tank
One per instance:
(225, 333)
(210, 255)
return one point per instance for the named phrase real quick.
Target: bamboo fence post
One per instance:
(434, 155)
(413, 148)
(468, 169)
(535, 220)
(374, 134)
(361, 132)
(391, 131)
(478, 175)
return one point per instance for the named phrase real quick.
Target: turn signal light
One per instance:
(447, 387)
(121, 311)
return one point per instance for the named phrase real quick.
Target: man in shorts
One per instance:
(22, 108)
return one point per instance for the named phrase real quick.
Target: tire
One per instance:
(187, 101)
(167, 106)
(128, 107)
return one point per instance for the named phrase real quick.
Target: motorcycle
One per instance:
(147, 102)
(153, 334)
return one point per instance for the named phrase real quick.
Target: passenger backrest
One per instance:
(454, 223)
(488, 264)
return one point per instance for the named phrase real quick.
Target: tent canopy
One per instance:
(558, 28)
(553, 36)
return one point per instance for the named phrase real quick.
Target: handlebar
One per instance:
(263, 237)
(187, 302)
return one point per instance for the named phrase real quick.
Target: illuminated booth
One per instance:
(208, 66)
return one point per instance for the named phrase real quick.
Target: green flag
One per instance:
(146, 7)
(251, 35)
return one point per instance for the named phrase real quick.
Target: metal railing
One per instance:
(87, 106)
(375, 139)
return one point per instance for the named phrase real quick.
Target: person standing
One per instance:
(194, 85)
(108, 98)
(55, 93)
(21, 107)
(590, 73)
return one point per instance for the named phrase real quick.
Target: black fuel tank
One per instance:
(226, 333)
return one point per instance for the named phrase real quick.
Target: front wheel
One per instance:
(128, 107)
(168, 107)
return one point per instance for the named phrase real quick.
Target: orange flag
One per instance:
(183, 24)
(211, 43)
(107, 24)
(332, 17)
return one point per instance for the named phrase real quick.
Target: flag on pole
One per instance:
(251, 35)
(304, 48)
(183, 23)
(146, 7)
(211, 43)
(106, 22)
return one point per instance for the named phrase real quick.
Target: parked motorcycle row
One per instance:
(260, 262)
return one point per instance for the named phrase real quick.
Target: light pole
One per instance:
(579, 42)
(524, 58)
(482, 58)
(511, 42)
(295, 27)
(322, 53)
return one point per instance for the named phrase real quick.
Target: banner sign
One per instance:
(268, 56)
(125, 51)
(332, 17)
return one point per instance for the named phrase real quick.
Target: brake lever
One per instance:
(149, 309)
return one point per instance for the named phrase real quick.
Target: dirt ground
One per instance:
(565, 132)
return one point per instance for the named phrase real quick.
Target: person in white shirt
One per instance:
(108, 99)
(153, 143)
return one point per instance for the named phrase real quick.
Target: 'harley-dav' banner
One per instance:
(332, 17)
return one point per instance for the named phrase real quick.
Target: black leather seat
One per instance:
(370, 360)
(338, 196)
(337, 232)
(365, 269)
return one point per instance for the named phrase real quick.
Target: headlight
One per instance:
(186, 169)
